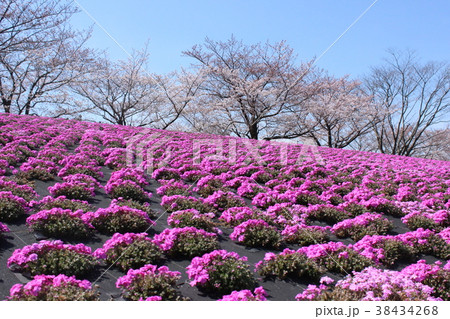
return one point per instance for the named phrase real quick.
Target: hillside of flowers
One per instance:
(92, 211)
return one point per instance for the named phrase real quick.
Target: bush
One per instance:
(11, 206)
(256, 233)
(328, 214)
(24, 191)
(49, 202)
(385, 250)
(3, 229)
(289, 263)
(246, 295)
(362, 225)
(145, 207)
(53, 258)
(304, 235)
(129, 251)
(186, 242)
(371, 284)
(127, 189)
(192, 218)
(150, 281)
(220, 272)
(180, 202)
(119, 219)
(336, 257)
(54, 288)
(222, 200)
(60, 223)
(72, 190)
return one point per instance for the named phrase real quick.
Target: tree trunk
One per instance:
(254, 131)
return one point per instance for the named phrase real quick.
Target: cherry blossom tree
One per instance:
(119, 92)
(247, 87)
(339, 113)
(40, 54)
(125, 93)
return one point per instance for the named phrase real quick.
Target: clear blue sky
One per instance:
(308, 26)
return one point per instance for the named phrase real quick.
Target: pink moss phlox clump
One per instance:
(259, 294)
(419, 237)
(222, 200)
(34, 163)
(389, 282)
(115, 157)
(72, 190)
(43, 215)
(171, 185)
(256, 232)
(237, 182)
(186, 241)
(236, 215)
(127, 189)
(82, 178)
(22, 257)
(129, 173)
(250, 190)
(373, 284)
(321, 250)
(117, 240)
(105, 213)
(51, 287)
(74, 160)
(313, 291)
(24, 191)
(3, 229)
(125, 281)
(207, 271)
(149, 281)
(179, 202)
(267, 199)
(169, 236)
(304, 235)
(372, 247)
(291, 230)
(192, 217)
(151, 298)
(92, 170)
(165, 173)
(405, 193)
(9, 196)
(421, 270)
(445, 235)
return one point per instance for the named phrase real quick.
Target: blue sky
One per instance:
(308, 26)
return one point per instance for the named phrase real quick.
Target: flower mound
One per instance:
(371, 284)
(119, 219)
(60, 223)
(304, 235)
(186, 242)
(220, 272)
(12, 206)
(362, 225)
(289, 263)
(3, 229)
(258, 294)
(256, 233)
(127, 189)
(193, 218)
(54, 288)
(149, 281)
(49, 202)
(129, 251)
(53, 258)
(72, 190)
